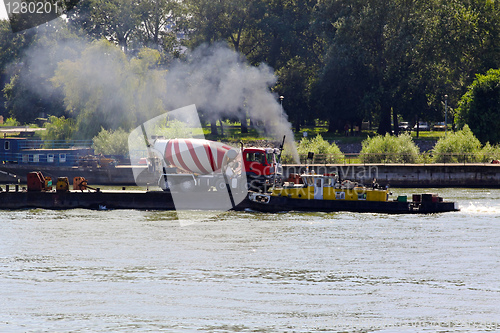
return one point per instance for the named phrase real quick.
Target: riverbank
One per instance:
(411, 175)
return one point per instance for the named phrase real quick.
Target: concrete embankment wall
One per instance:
(411, 175)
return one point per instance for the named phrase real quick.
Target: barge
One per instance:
(306, 192)
(324, 192)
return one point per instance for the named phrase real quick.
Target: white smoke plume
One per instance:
(219, 81)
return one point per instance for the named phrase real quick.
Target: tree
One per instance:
(293, 82)
(58, 128)
(115, 20)
(12, 46)
(372, 49)
(109, 142)
(339, 92)
(28, 91)
(479, 107)
(413, 53)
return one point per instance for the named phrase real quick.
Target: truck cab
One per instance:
(263, 167)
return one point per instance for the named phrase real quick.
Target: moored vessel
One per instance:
(325, 192)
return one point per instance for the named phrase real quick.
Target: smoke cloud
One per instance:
(222, 84)
(219, 81)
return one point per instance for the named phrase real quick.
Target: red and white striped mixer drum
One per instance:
(193, 155)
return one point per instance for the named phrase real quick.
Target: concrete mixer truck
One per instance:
(198, 164)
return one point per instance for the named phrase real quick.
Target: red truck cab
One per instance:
(262, 166)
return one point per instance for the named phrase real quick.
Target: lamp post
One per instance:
(445, 114)
(281, 103)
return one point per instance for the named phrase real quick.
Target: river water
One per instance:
(138, 271)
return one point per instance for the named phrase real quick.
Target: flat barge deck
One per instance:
(108, 199)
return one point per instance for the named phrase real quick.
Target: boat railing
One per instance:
(55, 144)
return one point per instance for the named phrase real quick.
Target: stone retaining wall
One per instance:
(411, 175)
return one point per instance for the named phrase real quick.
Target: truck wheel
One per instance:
(187, 186)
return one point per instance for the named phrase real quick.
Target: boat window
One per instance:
(310, 181)
(318, 182)
(36, 158)
(50, 158)
(328, 182)
(362, 196)
(26, 158)
(6, 145)
(62, 158)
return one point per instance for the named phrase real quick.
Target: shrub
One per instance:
(389, 149)
(461, 146)
(11, 122)
(490, 153)
(58, 129)
(109, 142)
(320, 148)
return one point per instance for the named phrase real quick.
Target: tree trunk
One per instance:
(331, 126)
(418, 126)
(385, 121)
(297, 124)
(213, 127)
(221, 128)
(395, 121)
(244, 126)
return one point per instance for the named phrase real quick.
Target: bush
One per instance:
(109, 142)
(390, 149)
(461, 146)
(58, 129)
(320, 148)
(11, 122)
(490, 153)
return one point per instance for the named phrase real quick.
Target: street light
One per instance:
(281, 103)
(445, 114)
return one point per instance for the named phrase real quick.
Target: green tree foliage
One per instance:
(389, 149)
(11, 44)
(28, 91)
(402, 57)
(480, 107)
(458, 147)
(58, 128)
(293, 84)
(111, 142)
(337, 60)
(322, 149)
